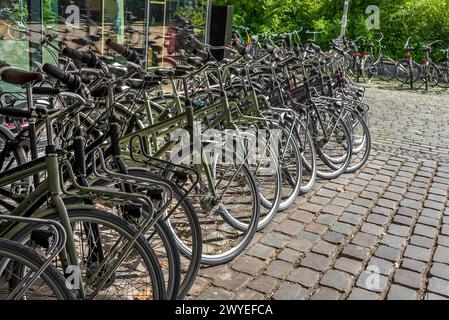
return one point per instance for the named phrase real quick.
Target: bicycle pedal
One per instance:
(180, 178)
(155, 194)
(21, 189)
(133, 211)
(42, 238)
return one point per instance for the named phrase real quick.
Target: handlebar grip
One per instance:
(200, 53)
(85, 57)
(239, 48)
(82, 41)
(129, 54)
(16, 113)
(270, 49)
(46, 91)
(315, 47)
(73, 54)
(55, 72)
(120, 49)
(71, 81)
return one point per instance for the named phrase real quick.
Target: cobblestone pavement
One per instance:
(382, 233)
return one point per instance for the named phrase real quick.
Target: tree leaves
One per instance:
(426, 20)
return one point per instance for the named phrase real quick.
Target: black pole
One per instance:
(35, 21)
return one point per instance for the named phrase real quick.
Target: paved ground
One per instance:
(382, 233)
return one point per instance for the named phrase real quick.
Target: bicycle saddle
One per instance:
(140, 84)
(164, 72)
(181, 70)
(20, 77)
(94, 38)
(118, 69)
(196, 61)
(82, 41)
(426, 49)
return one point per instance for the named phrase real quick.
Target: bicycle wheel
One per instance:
(291, 164)
(308, 157)
(98, 237)
(49, 285)
(15, 31)
(386, 69)
(263, 161)
(369, 69)
(159, 237)
(407, 71)
(361, 142)
(230, 215)
(184, 228)
(433, 75)
(333, 144)
(444, 75)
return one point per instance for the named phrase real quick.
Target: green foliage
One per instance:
(425, 20)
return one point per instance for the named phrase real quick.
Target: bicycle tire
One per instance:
(193, 254)
(20, 255)
(206, 215)
(125, 230)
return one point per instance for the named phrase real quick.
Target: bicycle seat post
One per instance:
(32, 129)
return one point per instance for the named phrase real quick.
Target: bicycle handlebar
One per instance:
(432, 43)
(73, 82)
(381, 38)
(85, 57)
(407, 44)
(129, 54)
(208, 46)
(18, 113)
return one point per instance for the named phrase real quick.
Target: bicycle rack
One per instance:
(54, 249)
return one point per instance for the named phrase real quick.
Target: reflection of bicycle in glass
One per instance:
(15, 23)
(132, 36)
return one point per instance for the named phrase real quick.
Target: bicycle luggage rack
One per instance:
(176, 173)
(54, 248)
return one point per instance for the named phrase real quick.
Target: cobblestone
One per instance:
(441, 254)
(278, 269)
(408, 278)
(325, 294)
(361, 294)
(357, 252)
(388, 253)
(288, 291)
(440, 270)
(348, 265)
(401, 293)
(336, 279)
(304, 276)
(316, 261)
(263, 284)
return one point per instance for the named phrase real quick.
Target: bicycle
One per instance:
(443, 68)
(73, 216)
(429, 70)
(38, 279)
(383, 68)
(407, 70)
